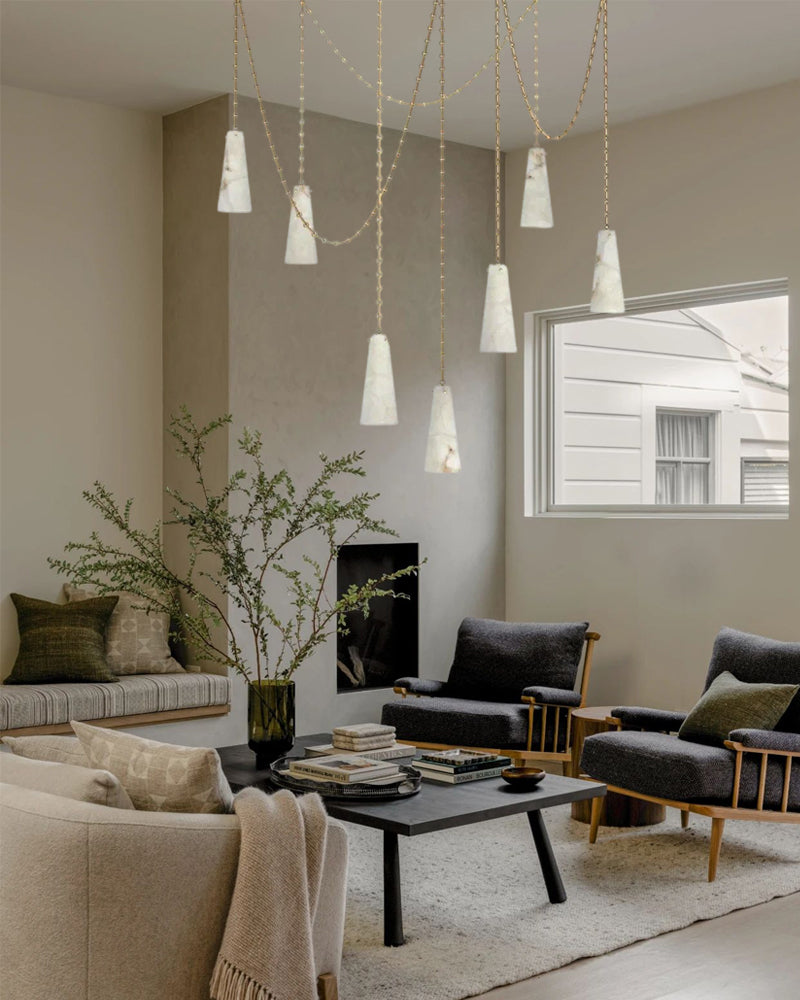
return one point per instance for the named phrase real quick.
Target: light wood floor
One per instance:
(751, 954)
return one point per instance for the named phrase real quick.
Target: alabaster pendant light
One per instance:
(301, 246)
(497, 329)
(234, 188)
(442, 451)
(441, 454)
(607, 296)
(537, 211)
(378, 404)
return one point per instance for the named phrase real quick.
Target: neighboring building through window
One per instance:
(683, 404)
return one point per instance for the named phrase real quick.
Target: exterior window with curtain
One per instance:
(684, 467)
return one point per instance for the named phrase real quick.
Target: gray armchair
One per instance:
(511, 687)
(754, 776)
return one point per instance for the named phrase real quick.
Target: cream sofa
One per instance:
(100, 903)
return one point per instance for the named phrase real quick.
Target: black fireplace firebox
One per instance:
(384, 645)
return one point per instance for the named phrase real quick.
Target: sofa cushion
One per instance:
(159, 777)
(664, 766)
(61, 642)
(755, 659)
(68, 780)
(25, 706)
(495, 660)
(59, 749)
(458, 721)
(729, 704)
(137, 641)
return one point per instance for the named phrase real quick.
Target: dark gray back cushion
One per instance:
(495, 660)
(756, 659)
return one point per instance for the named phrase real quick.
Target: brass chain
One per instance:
(534, 114)
(604, 5)
(397, 100)
(301, 144)
(497, 131)
(235, 65)
(441, 191)
(273, 150)
(536, 68)
(379, 179)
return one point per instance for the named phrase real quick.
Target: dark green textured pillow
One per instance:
(729, 704)
(62, 642)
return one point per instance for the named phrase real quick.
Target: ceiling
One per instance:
(163, 55)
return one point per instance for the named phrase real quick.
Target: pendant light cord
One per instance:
(535, 68)
(235, 65)
(441, 191)
(497, 160)
(301, 130)
(379, 177)
(604, 4)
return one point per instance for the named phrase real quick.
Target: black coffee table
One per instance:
(436, 807)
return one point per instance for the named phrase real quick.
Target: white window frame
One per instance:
(541, 394)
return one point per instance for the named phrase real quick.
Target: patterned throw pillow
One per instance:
(60, 749)
(61, 642)
(159, 777)
(137, 641)
(730, 704)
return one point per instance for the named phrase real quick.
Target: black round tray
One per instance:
(359, 791)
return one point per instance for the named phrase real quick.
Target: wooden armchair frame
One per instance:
(718, 813)
(547, 750)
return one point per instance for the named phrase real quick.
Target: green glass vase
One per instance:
(270, 720)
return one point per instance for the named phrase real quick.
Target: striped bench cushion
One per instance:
(25, 705)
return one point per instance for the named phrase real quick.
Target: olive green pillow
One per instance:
(62, 642)
(729, 704)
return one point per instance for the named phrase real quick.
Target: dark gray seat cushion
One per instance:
(664, 766)
(458, 721)
(495, 660)
(756, 659)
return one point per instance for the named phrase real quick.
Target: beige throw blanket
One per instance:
(267, 948)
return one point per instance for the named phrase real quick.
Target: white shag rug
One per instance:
(476, 913)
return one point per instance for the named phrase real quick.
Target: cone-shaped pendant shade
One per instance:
(378, 406)
(301, 247)
(442, 454)
(234, 188)
(497, 332)
(537, 212)
(607, 294)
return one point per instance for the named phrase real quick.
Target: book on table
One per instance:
(342, 768)
(453, 778)
(394, 751)
(484, 765)
(458, 757)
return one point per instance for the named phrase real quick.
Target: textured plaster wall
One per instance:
(81, 328)
(296, 349)
(695, 205)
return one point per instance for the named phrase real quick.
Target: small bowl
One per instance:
(522, 778)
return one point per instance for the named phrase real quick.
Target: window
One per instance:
(765, 481)
(678, 407)
(683, 458)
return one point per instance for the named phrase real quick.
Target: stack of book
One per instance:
(367, 739)
(347, 769)
(453, 767)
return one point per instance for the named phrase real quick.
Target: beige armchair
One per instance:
(126, 905)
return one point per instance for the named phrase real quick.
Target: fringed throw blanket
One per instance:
(267, 948)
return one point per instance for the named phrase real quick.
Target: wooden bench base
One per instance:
(119, 721)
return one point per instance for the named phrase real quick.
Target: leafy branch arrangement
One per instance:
(238, 540)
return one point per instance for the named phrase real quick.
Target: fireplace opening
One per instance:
(385, 645)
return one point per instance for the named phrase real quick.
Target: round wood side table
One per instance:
(618, 810)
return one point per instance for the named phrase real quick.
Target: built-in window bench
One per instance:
(136, 700)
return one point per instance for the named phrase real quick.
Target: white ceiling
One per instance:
(162, 55)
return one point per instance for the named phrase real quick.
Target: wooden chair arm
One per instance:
(740, 749)
(400, 690)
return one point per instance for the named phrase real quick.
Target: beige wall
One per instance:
(297, 351)
(701, 197)
(81, 328)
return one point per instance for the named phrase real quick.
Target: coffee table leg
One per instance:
(547, 860)
(392, 900)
